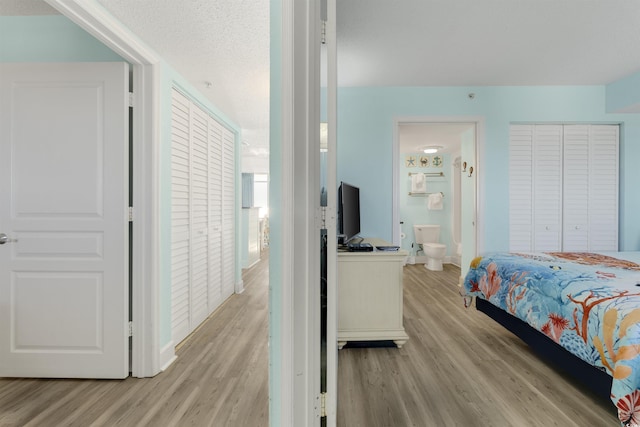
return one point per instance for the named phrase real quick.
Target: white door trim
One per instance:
(479, 121)
(147, 357)
(299, 355)
(332, 196)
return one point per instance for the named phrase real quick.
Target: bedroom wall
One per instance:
(624, 95)
(365, 134)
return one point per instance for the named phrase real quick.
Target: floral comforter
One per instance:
(588, 303)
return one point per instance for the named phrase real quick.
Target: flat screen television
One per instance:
(348, 211)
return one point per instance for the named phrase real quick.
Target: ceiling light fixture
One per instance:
(432, 149)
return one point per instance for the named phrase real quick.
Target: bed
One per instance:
(581, 310)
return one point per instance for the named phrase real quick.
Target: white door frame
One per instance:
(299, 351)
(147, 357)
(331, 400)
(479, 122)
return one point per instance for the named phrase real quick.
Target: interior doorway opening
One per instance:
(441, 154)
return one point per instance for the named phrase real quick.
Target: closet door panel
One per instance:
(180, 217)
(547, 188)
(603, 185)
(199, 215)
(215, 214)
(228, 213)
(521, 188)
(576, 188)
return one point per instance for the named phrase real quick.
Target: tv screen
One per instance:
(348, 211)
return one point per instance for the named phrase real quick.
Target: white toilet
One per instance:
(428, 236)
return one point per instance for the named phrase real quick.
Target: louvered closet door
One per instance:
(574, 177)
(203, 215)
(547, 188)
(521, 188)
(199, 216)
(576, 188)
(228, 213)
(215, 214)
(180, 217)
(603, 187)
(591, 188)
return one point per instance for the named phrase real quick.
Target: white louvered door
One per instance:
(215, 214)
(228, 213)
(547, 188)
(603, 185)
(199, 220)
(564, 182)
(576, 188)
(203, 215)
(180, 217)
(521, 188)
(590, 207)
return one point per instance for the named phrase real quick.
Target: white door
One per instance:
(63, 207)
(215, 214)
(547, 188)
(228, 213)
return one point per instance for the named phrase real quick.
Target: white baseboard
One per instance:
(167, 355)
(239, 287)
(421, 259)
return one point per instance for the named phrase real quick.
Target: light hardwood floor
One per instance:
(219, 379)
(459, 368)
(446, 375)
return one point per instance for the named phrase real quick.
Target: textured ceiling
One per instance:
(224, 42)
(386, 43)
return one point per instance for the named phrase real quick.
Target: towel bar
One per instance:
(427, 173)
(424, 194)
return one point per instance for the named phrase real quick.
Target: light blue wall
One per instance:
(57, 39)
(275, 217)
(365, 135)
(624, 93)
(51, 38)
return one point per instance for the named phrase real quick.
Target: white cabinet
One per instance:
(370, 296)
(563, 188)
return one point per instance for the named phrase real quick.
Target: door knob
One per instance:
(5, 239)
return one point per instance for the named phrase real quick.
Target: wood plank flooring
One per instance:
(459, 368)
(446, 375)
(219, 379)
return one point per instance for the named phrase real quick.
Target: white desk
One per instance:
(370, 295)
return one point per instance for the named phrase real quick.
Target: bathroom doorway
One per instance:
(435, 159)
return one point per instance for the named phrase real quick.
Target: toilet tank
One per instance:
(427, 233)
